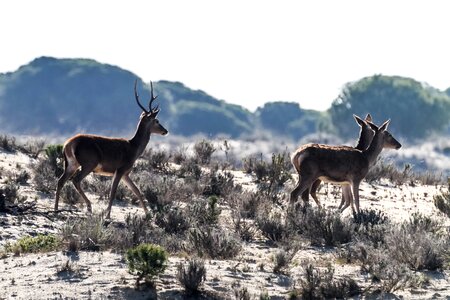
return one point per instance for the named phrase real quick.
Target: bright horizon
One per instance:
(243, 52)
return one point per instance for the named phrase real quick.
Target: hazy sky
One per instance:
(244, 52)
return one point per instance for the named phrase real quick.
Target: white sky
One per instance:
(244, 52)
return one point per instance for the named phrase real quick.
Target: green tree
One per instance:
(415, 108)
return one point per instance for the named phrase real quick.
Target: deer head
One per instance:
(148, 117)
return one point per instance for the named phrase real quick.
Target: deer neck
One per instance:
(140, 139)
(361, 144)
(374, 149)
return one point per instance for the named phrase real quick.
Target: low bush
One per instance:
(270, 176)
(322, 227)
(214, 243)
(173, 219)
(8, 143)
(192, 275)
(442, 201)
(385, 272)
(88, 233)
(416, 247)
(146, 261)
(320, 284)
(272, 226)
(205, 211)
(39, 243)
(281, 260)
(44, 175)
(203, 152)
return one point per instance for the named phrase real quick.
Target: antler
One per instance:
(154, 111)
(137, 97)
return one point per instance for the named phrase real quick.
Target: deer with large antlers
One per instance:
(365, 138)
(339, 164)
(85, 153)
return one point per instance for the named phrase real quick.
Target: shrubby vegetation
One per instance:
(196, 209)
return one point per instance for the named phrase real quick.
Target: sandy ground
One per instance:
(104, 275)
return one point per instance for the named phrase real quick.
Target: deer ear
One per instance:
(359, 121)
(385, 125)
(373, 126)
(368, 118)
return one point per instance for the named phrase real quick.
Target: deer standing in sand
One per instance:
(365, 138)
(339, 164)
(85, 153)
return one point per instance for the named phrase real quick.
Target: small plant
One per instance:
(190, 169)
(88, 234)
(243, 228)
(54, 155)
(8, 143)
(9, 193)
(39, 243)
(146, 261)
(272, 226)
(192, 275)
(442, 201)
(203, 151)
(320, 284)
(281, 260)
(67, 269)
(322, 227)
(214, 243)
(158, 160)
(417, 248)
(70, 195)
(205, 212)
(173, 220)
(219, 184)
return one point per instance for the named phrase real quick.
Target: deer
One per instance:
(339, 164)
(365, 138)
(86, 153)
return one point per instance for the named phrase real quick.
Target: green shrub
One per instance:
(146, 261)
(39, 243)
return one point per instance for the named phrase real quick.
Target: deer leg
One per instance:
(69, 171)
(356, 195)
(85, 170)
(313, 191)
(305, 195)
(347, 198)
(301, 187)
(115, 182)
(135, 190)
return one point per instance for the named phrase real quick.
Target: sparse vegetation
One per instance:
(203, 151)
(192, 275)
(321, 284)
(442, 201)
(215, 243)
(200, 209)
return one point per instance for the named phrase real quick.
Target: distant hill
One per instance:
(66, 96)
